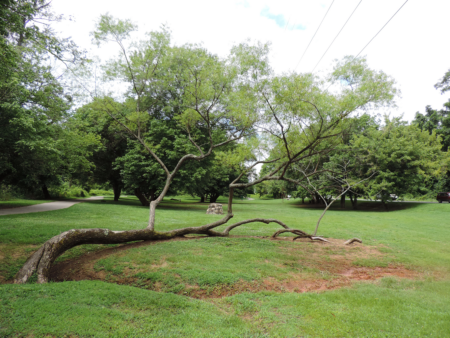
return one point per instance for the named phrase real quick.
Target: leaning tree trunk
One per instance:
(144, 201)
(213, 198)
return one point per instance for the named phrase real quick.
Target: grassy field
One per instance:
(243, 286)
(16, 203)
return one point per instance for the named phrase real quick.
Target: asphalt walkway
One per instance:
(46, 206)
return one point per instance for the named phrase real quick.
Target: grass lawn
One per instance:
(242, 286)
(21, 203)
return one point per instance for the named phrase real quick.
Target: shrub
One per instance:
(66, 191)
(100, 192)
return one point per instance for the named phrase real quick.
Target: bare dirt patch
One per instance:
(325, 266)
(82, 268)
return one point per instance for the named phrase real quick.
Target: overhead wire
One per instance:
(287, 23)
(398, 10)
(313, 36)
(337, 35)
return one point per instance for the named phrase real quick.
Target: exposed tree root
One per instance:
(350, 241)
(227, 230)
(300, 234)
(318, 238)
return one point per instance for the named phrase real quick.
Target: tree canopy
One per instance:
(184, 119)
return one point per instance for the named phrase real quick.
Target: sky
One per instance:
(412, 48)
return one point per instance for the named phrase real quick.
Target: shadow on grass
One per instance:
(167, 205)
(362, 206)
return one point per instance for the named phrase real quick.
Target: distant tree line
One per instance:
(49, 140)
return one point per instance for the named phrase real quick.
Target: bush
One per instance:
(66, 191)
(100, 192)
(6, 193)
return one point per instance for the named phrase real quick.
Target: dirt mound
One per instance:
(82, 268)
(334, 266)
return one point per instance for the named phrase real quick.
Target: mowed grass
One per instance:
(414, 235)
(16, 203)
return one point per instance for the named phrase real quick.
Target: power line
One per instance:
(336, 36)
(314, 35)
(398, 10)
(287, 23)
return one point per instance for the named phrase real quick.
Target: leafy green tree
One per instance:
(404, 158)
(143, 175)
(210, 95)
(215, 180)
(91, 119)
(35, 147)
(437, 121)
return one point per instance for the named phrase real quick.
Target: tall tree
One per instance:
(404, 158)
(91, 119)
(34, 144)
(437, 121)
(236, 94)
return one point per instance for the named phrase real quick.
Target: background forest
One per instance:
(68, 122)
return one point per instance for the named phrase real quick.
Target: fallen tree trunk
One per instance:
(42, 260)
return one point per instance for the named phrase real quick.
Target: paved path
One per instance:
(46, 206)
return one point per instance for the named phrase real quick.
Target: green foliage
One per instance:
(7, 193)
(36, 147)
(68, 191)
(93, 119)
(436, 121)
(404, 158)
(100, 192)
(444, 83)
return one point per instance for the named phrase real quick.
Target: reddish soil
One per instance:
(333, 264)
(82, 268)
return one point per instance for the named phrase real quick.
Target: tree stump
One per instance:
(215, 209)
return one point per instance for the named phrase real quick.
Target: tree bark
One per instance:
(354, 200)
(213, 198)
(144, 201)
(343, 201)
(202, 199)
(45, 192)
(117, 190)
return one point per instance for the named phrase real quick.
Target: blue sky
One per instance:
(280, 20)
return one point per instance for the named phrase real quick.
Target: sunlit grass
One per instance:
(416, 235)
